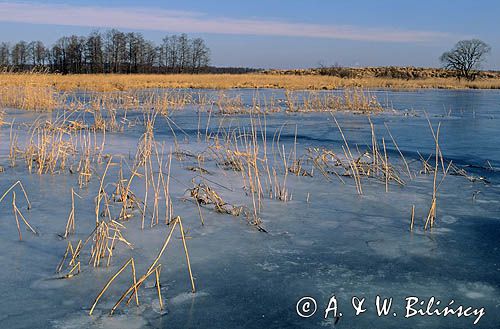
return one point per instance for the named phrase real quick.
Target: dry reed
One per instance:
(121, 82)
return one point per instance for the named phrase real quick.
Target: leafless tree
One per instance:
(19, 55)
(200, 55)
(115, 50)
(466, 57)
(4, 54)
(94, 53)
(37, 53)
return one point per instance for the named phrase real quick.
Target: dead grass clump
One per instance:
(32, 98)
(102, 240)
(154, 268)
(48, 149)
(230, 104)
(204, 195)
(373, 163)
(71, 260)
(53, 146)
(355, 99)
(232, 160)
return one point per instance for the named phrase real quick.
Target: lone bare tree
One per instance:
(466, 57)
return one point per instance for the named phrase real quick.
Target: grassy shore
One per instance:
(116, 82)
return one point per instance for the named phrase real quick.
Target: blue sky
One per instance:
(271, 33)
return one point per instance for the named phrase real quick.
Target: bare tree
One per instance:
(466, 57)
(94, 53)
(171, 45)
(75, 54)
(59, 55)
(135, 43)
(19, 55)
(37, 53)
(4, 54)
(115, 50)
(200, 55)
(183, 52)
(149, 56)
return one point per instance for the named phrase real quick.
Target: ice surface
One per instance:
(337, 243)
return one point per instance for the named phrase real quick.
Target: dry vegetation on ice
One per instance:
(137, 189)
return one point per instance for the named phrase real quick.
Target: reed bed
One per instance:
(109, 110)
(124, 82)
(32, 98)
(352, 99)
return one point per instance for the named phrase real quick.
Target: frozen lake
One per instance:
(327, 240)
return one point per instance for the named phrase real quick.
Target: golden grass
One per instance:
(119, 82)
(29, 92)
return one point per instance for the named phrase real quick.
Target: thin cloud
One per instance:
(194, 22)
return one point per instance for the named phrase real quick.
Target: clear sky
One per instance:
(272, 33)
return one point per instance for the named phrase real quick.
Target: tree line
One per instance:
(110, 52)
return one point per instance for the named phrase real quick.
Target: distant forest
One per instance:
(111, 52)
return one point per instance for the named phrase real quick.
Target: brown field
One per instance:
(115, 82)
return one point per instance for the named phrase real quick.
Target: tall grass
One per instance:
(123, 82)
(27, 97)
